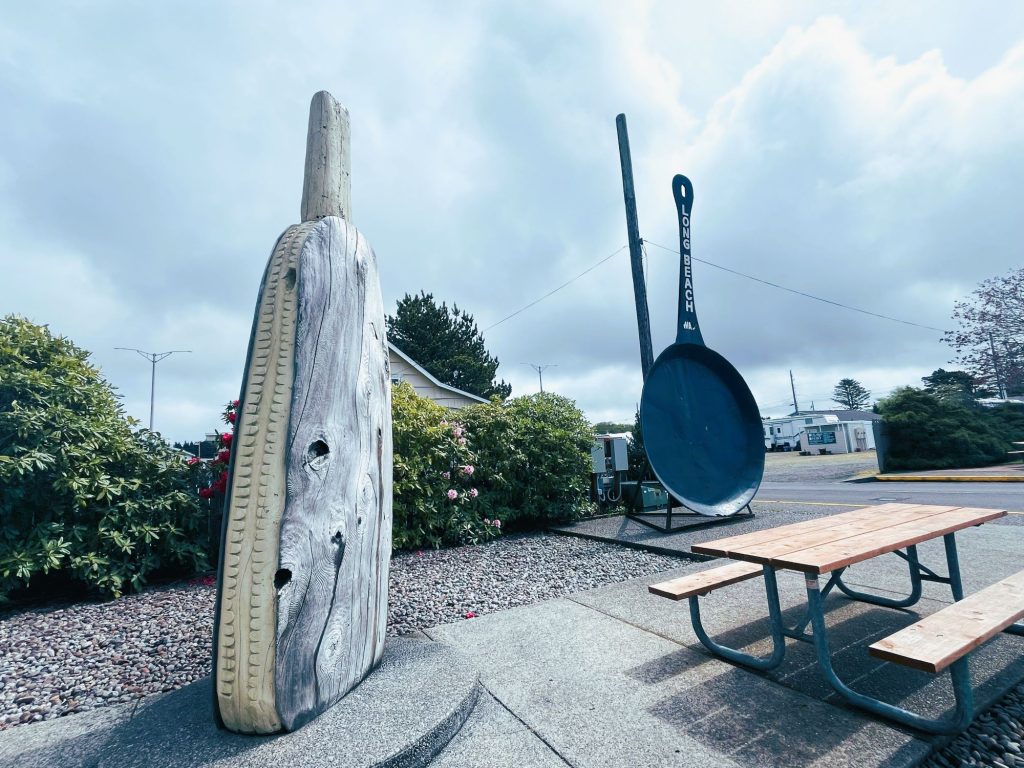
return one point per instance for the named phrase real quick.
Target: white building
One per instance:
(836, 431)
(404, 368)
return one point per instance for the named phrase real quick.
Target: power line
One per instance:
(556, 290)
(801, 293)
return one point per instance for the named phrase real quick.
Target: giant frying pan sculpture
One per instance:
(302, 589)
(701, 427)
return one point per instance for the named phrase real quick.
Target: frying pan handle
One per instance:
(688, 330)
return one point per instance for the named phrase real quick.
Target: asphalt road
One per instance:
(1008, 496)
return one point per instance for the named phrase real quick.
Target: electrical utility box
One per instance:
(609, 454)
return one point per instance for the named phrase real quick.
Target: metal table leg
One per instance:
(918, 574)
(739, 657)
(959, 672)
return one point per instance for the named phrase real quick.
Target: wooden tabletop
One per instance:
(827, 543)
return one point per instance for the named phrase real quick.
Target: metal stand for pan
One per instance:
(668, 513)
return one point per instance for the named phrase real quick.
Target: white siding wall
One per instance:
(424, 387)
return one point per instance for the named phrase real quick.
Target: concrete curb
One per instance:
(949, 478)
(401, 716)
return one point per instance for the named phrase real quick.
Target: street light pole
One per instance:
(540, 371)
(153, 358)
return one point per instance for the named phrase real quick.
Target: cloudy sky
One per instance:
(869, 153)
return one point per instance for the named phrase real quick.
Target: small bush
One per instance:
(436, 499)
(927, 432)
(81, 492)
(537, 453)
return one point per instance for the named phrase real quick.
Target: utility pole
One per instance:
(792, 386)
(995, 367)
(643, 320)
(540, 371)
(154, 358)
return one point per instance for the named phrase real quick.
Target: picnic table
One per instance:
(827, 546)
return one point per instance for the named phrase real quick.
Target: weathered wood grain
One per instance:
(336, 528)
(327, 183)
(302, 593)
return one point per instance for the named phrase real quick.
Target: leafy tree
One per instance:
(447, 343)
(611, 427)
(989, 340)
(958, 386)
(82, 493)
(851, 394)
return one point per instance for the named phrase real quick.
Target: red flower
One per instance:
(206, 493)
(234, 403)
(232, 416)
(224, 455)
(193, 460)
(470, 615)
(225, 439)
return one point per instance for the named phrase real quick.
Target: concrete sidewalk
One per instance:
(616, 677)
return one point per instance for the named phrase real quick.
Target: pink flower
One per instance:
(487, 521)
(446, 475)
(444, 422)
(453, 494)
(462, 441)
(468, 469)
(234, 403)
(209, 581)
(496, 523)
(458, 431)
(193, 460)
(225, 439)
(473, 493)
(470, 615)
(232, 416)
(206, 493)
(224, 455)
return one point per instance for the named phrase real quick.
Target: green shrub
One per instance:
(536, 450)
(928, 432)
(436, 499)
(81, 492)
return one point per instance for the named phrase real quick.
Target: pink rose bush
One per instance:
(434, 464)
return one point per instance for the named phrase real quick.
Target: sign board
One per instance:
(821, 438)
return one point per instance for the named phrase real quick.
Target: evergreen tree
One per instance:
(957, 386)
(447, 343)
(851, 394)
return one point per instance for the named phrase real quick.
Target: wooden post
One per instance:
(302, 593)
(643, 319)
(327, 183)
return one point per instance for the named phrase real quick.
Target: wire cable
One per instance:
(556, 290)
(800, 293)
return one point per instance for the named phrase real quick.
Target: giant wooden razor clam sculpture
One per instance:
(302, 589)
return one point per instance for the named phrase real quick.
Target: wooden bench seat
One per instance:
(936, 641)
(705, 581)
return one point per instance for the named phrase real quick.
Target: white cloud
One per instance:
(149, 160)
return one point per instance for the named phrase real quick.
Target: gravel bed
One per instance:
(995, 738)
(59, 660)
